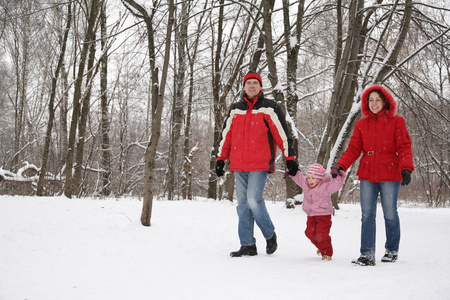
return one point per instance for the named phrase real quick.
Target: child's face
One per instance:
(312, 181)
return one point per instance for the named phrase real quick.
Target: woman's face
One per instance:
(376, 103)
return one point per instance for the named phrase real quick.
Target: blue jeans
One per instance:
(251, 207)
(388, 192)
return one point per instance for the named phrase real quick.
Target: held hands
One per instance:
(406, 176)
(292, 167)
(219, 167)
(335, 171)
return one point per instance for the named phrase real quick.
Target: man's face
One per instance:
(252, 88)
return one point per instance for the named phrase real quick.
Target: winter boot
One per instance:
(363, 261)
(326, 257)
(389, 257)
(245, 250)
(272, 244)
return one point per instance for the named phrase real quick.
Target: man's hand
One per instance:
(292, 167)
(219, 167)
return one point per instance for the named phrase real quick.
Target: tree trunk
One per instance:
(63, 109)
(271, 63)
(292, 189)
(104, 126)
(21, 62)
(157, 93)
(51, 109)
(69, 187)
(219, 110)
(82, 124)
(178, 99)
(344, 83)
(186, 185)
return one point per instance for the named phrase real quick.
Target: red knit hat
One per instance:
(316, 170)
(252, 75)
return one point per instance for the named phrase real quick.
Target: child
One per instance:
(318, 187)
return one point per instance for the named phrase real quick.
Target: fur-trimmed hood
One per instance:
(387, 95)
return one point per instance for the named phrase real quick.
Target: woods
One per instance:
(109, 98)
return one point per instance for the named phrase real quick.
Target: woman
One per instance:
(382, 138)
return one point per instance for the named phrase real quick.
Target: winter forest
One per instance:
(109, 98)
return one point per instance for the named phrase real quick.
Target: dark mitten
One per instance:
(219, 167)
(292, 167)
(335, 171)
(406, 176)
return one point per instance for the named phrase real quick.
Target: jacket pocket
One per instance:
(389, 166)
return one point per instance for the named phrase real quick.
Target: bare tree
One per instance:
(84, 116)
(158, 89)
(181, 36)
(51, 103)
(188, 152)
(292, 44)
(18, 39)
(219, 105)
(88, 39)
(104, 125)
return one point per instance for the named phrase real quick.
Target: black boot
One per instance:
(389, 257)
(363, 261)
(245, 250)
(272, 244)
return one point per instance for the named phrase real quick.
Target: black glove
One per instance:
(335, 171)
(292, 167)
(219, 167)
(406, 176)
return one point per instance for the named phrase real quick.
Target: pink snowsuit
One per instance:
(318, 207)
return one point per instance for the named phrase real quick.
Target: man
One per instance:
(252, 130)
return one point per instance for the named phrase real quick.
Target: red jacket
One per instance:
(251, 132)
(382, 139)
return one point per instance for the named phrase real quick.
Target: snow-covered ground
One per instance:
(81, 249)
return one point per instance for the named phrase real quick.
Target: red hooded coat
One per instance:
(382, 139)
